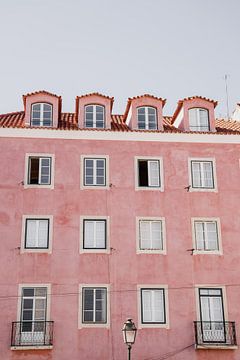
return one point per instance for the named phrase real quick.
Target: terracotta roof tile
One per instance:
(96, 94)
(40, 92)
(68, 122)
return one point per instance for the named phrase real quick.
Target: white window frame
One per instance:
(19, 309)
(142, 325)
(207, 252)
(161, 175)
(94, 116)
(214, 173)
(107, 235)
(82, 172)
(162, 251)
(41, 114)
(211, 286)
(50, 233)
(146, 107)
(197, 110)
(81, 324)
(26, 175)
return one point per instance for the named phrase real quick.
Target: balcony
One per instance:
(27, 335)
(215, 335)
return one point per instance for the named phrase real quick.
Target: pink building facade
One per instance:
(106, 217)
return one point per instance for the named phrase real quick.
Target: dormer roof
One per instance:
(43, 92)
(130, 100)
(96, 94)
(180, 104)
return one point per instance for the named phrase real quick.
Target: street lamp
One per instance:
(129, 334)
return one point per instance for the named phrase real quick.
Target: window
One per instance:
(153, 306)
(39, 170)
(94, 171)
(33, 314)
(41, 114)
(212, 314)
(94, 305)
(151, 235)
(36, 234)
(149, 173)
(202, 174)
(94, 116)
(94, 234)
(147, 118)
(206, 235)
(198, 119)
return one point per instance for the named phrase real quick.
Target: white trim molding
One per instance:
(50, 234)
(81, 324)
(154, 136)
(82, 171)
(107, 235)
(162, 251)
(141, 325)
(219, 237)
(26, 172)
(214, 174)
(161, 175)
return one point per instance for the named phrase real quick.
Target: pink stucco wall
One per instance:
(122, 269)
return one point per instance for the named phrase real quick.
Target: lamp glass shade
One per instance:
(129, 332)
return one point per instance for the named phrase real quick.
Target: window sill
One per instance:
(210, 252)
(32, 347)
(28, 186)
(94, 187)
(191, 189)
(149, 188)
(216, 347)
(154, 252)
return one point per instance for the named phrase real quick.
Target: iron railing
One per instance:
(215, 333)
(32, 333)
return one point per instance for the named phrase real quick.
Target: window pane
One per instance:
(47, 107)
(143, 173)
(199, 234)
(100, 234)
(33, 170)
(145, 238)
(36, 107)
(157, 235)
(31, 233)
(43, 233)
(207, 175)
(28, 292)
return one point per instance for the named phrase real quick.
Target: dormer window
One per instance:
(198, 119)
(41, 114)
(94, 116)
(147, 118)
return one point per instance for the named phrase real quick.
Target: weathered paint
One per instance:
(123, 269)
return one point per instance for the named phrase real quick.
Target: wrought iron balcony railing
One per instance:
(216, 333)
(32, 333)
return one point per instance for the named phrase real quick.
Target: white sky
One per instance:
(121, 48)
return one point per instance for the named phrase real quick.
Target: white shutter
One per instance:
(156, 232)
(89, 240)
(153, 173)
(205, 309)
(44, 170)
(146, 305)
(203, 119)
(193, 121)
(199, 233)
(43, 233)
(196, 174)
(100, 234)
(216, 309)
(211, 236)
(145, 240)
(207, 174)
(158, 305)
(31, 236)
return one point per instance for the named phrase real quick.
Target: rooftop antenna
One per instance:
(226, 76)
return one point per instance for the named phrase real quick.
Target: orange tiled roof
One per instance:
(68, 122)
(180, 103)
(40, 92)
